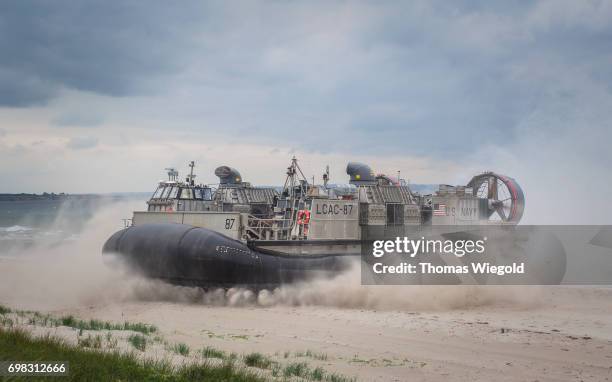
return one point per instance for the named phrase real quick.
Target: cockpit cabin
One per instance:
(177, 196)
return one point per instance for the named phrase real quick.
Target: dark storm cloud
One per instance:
(111, 48)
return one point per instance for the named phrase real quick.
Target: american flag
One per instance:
(439, 210)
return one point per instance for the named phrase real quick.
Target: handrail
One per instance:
(259, 227)
(268, 223)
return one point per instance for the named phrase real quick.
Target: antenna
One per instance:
(191, 177)
(326, 176)
(172, 173)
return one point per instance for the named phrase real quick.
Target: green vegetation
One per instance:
(298, 369)
(88, 365)
(72, 322)
(111, 342)
(232, 357)
(356, 359)
(181, 349)
(276, 369)
(338, 378)
(210, 352)
(312, 354)
(301, 369)
(46, 320)
(91, 342)
(5, 321)
(257, 360)
(317, 374)
(96, 356)
(4, 309)
(138, 341)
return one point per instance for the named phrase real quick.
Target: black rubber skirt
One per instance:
(187, 255)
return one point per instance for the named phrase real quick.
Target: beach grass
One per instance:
(138, 341)
(210, 352)
(181, 349)
(89, 365)
(257, 360)
(94, 342)
(98, 357)
(302, 370)
(312, 354)
(92, 324)
(297, 369)
(4, 309)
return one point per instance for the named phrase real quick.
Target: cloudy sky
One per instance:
(99, 96)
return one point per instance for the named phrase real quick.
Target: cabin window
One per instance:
(206, 194)
(158, 192)
(203, 193)
(395, 214)
(173, 193)
(166, 192)
(186, 193)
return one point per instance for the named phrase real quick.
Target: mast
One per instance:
(295, 178)
(326, 176)
(191, 177)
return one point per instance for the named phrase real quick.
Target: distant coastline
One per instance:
(422, 189)
(43, 196)
(63, 196)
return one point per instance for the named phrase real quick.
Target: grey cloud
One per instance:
(420, 78)
(116, 49)
(78, 119)
(428, 78)
(18, 89)
(82, 143)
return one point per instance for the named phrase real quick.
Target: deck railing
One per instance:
(268, 229)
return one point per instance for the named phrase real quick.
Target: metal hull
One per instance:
(188, 255)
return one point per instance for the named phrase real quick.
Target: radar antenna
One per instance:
(172, 173)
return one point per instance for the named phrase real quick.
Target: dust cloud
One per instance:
(56, 275)
(345, 291)
(73, 274)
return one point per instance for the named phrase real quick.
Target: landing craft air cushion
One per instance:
(240, 235)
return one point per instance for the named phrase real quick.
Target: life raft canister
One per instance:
(303, 217)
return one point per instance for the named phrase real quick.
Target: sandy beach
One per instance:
(567, 338)
(561, 334)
